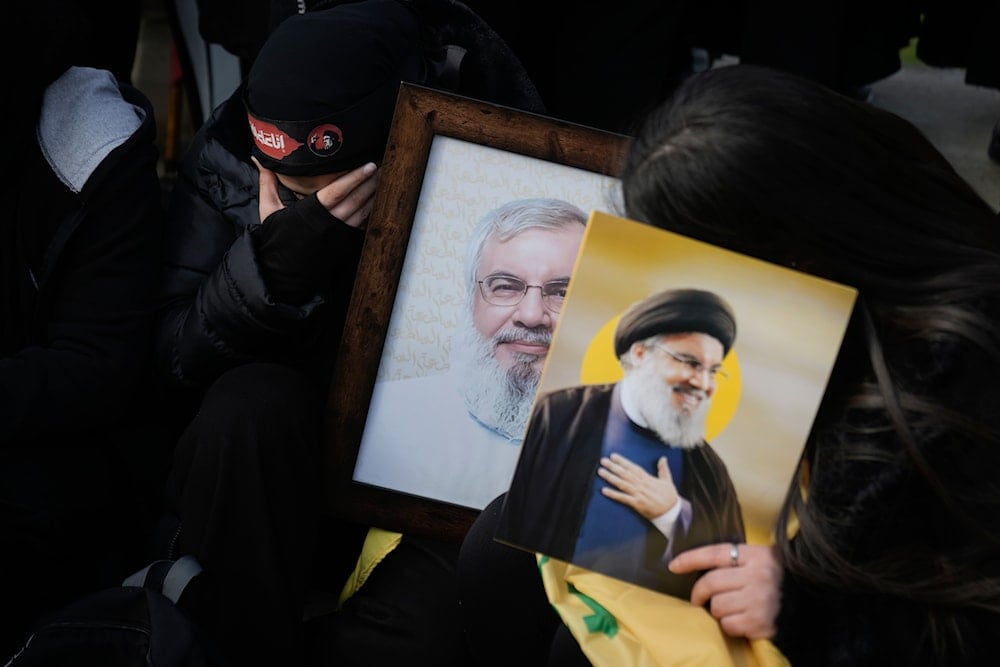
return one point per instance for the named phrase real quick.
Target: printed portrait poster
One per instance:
(419, 437)
(789, 327)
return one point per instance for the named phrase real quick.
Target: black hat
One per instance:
(676, 311)
(321, 93)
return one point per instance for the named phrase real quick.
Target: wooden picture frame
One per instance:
(499, 138)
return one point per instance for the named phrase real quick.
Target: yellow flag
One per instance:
(622, 625)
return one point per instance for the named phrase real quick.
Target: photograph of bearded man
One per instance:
(456, 436)
(618, 478)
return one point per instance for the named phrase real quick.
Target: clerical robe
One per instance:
(557, 470)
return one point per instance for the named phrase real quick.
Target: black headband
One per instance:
(339, 141)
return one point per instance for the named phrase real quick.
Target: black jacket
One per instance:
(79, 274)
(217, 309)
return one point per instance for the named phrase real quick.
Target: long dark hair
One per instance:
(899, 486)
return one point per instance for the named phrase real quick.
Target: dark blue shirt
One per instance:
(614, 538)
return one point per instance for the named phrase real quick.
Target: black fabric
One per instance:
(26, 232)
(81, 457)
(831, 629)
(565, 650)
(330, 59)
(238, 27)
(385, 42)
(603, 69)
(115, 27)
(962, 33)
(407, 611)
(61, 34)
(507, 617)
(10, 274)
(70, 524)
(217, 311)
(247, 489)
(86, 274)
(840, 45)
(490, 69)
(297, 245)
(124, 626)
(609, 71)
(676, 311)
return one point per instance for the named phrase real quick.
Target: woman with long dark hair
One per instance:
(888, 544)
(895, 559)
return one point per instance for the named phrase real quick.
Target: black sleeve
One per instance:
(296, 247)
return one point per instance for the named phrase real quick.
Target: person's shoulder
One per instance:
(217, 160)
(222, 141)
(227, 125)
(84, 118)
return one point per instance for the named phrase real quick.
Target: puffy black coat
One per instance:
(217, 311)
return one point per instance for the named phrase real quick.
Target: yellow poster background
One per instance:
(789, 329)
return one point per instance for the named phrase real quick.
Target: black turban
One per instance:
(676, 311)
(321, 93)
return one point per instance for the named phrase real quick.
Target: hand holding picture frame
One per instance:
(450, 163)
(672, 350)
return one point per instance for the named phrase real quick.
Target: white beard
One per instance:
(500, 398)
(681, 428)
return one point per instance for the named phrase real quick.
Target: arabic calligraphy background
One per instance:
(462, 183)
(789, 329)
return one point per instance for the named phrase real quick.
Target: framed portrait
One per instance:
(696, 365)
(405, 451)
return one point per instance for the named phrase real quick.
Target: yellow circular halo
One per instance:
(600, 365)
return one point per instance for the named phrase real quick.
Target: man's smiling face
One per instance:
(535, 256)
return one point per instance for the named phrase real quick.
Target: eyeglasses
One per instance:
(693, 364)
(509, 291)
